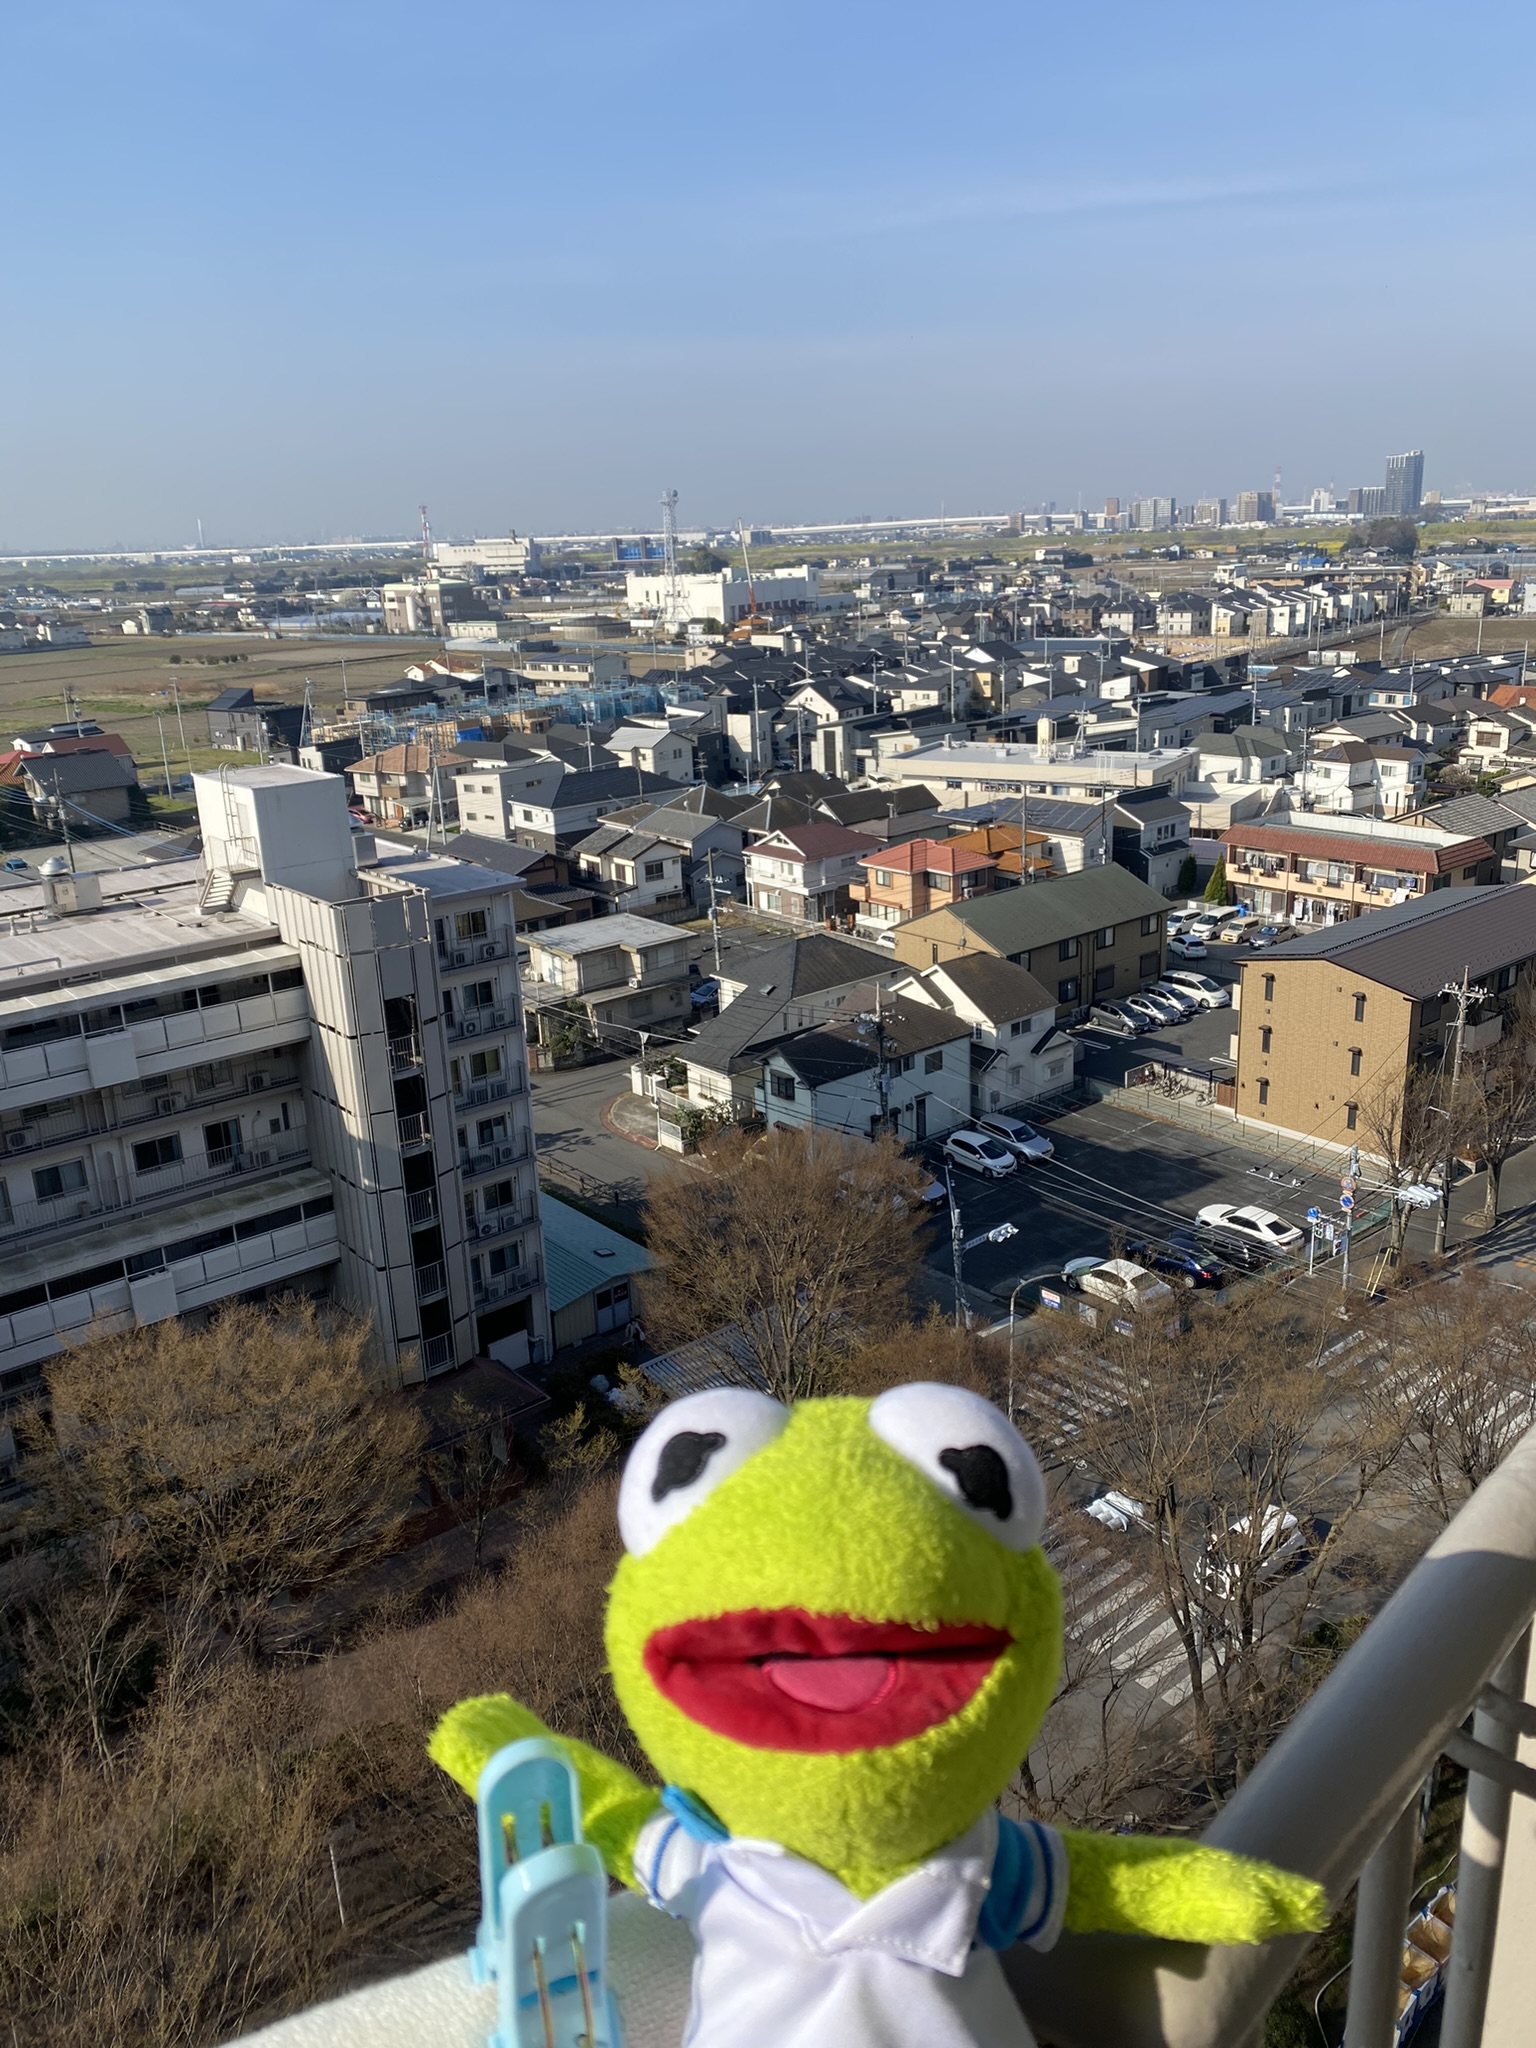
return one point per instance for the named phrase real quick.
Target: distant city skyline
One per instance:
(867, 264)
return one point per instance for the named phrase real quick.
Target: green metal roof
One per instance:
(1018, 920)
(581, 1255)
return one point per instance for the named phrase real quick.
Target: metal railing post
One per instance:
(1381, 1912)
(1484, 1829)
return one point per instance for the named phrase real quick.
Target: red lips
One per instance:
(785, 1679)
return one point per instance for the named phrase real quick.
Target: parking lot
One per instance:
(1113, 1173)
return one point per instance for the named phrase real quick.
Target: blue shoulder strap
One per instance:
(1022, 1894)
(693, 1816)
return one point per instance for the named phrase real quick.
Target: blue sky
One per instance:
(294, 268)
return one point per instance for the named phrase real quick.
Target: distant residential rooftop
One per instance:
(600, 934)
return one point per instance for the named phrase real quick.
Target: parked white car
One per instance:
(1022, 1139)
(1185, 946)
(978, 1153)
(1119, 1281)
(1257, 1226)
(1187, 1004)
(1224, 1561)
(1210, 995)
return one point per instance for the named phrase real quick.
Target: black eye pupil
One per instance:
(683, 1458)
(981, 1476)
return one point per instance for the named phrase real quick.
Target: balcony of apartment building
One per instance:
(499, 1083)
(505, 1284)
(479, 1019)
(477, 1160)
(68, 1192)
(131, 1034)
(470, 938)
(1444, 1670)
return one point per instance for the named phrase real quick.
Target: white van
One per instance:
(1209, 994)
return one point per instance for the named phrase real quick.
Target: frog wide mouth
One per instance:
(782, 1678)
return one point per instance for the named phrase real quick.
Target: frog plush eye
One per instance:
(684, 1455)
(973, 1455)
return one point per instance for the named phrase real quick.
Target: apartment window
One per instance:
(1469, 874)
(1018, 1027)
(933, 949)
(1067, 950)
(1263, 1094)
(484, 1064)
(655, 870)
(782, 1086)
(1269, 988)
(151, 1153)
(1359, 1009)
(1265, 1038)
(501, 1194)
(1149, 964)
(882, 878)
(1066, 991)
(477, 995)
(1354, 1061)
(48, 1182)
(933, 1062)
(1105, 939)
(470, 924)
(1351, 1115)
(490, 1130)
(903, 1064)
(1103, 981)
(1507, 977)
(1149, 926)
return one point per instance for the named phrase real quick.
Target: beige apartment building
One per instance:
(1331, 1024)
(1320, 869)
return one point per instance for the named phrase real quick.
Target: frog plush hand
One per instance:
(835, 1635)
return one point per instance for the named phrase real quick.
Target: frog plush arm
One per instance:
(1182, 1891)
(615, 1805)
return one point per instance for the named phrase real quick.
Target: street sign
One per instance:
(1348, 1183)
(1346, 1202)
(1314, 1215)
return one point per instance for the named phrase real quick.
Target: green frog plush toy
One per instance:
(835, 1636)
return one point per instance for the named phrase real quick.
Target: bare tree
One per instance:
(1455, 1374)
(800, 1244)
(472, 1468)
(1497, 1098)
(1217, 1425)
(219, 1466)
(1412, 1133)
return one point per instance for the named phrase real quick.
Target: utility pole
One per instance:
(714, 908)
(1463, 994)
(164, 756)
(957, 1248)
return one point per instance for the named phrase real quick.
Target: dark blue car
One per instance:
(1178, 1258)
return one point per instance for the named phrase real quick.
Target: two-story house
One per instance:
(1363, 778)
(1018, 1051)
(405, 786)
(805, 871)
(909, 880)
(632, 869)
(1492, 730)
(880, 1064)
(625, 972)
(655, 748)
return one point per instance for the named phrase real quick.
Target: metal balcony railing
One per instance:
(1336, 1799)
(493, 1223)
(488, 1158)
(415, 1130)
(436, 1352)
(421, 1206)
(481, 1023)
(501, 1286)
(404, 1054)
(475, 1094)
(473, 952)
(431, 1280)
(42, 1135)
(155, 1187)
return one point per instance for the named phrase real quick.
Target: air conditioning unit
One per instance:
(505, 1154)
(15, 1141)
(489, 1229)
(258, 1082)
(167, 1105)
(461, 957)
(259, 1158)
(470, 1028)
(488, 952)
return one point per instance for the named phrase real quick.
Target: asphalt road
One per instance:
(1114, 1172)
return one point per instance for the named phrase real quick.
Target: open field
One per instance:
(124, 686)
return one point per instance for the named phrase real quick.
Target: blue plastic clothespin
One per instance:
(543, 1935)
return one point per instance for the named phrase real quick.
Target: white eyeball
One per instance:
(973, 1455)
(684, 1455)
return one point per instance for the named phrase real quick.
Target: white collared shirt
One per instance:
(788, 1957)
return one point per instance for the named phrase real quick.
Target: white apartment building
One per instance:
(505, 555)
(963, 772)
(726, 596)
(305, 1073)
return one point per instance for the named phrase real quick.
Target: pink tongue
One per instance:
(838, 1685)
